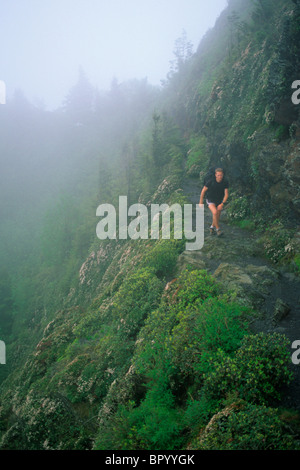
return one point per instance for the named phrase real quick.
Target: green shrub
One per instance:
(47, 423)
(138, 295)
(246, 427)
(277, 242)
(197, 413)
(204, 327)
(238, 209)
(154, 424)
(196, 285)
(191, 288)
(257, 372)
(162, 258)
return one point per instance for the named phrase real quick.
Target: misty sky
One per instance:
(44, 42)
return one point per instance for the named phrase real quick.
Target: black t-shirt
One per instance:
(216, 191)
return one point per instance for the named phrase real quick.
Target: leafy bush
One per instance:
(138, 295)
(205, 327)
(238, 209)
(258, 370)
(197, 413)
(196, 285)
(277, 242)
(191, 287)
(163, 256)
(246, 427)
(155, 423)
(47, 423)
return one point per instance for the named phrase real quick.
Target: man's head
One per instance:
(219, 175)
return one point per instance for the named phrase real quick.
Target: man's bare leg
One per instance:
(216, 215)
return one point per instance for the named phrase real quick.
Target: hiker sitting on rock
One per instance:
(216, 192)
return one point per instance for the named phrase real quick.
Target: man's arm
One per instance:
(205, 188)
(226, 194)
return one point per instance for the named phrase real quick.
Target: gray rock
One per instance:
(192, 258)
(281, 310)
(232, 274)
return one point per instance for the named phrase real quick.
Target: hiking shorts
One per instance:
(212, 202)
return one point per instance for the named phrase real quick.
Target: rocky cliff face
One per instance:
(126, 362)
(247, 116)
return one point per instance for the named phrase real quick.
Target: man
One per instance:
(216, 192)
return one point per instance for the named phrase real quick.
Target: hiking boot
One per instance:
(219, 232)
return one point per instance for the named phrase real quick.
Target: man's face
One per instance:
(219, 176)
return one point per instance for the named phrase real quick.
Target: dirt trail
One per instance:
(237, 259)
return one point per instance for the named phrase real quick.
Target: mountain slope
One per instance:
(153, 347)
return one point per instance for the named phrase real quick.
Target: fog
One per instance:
(43, 44)
(81, 79)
